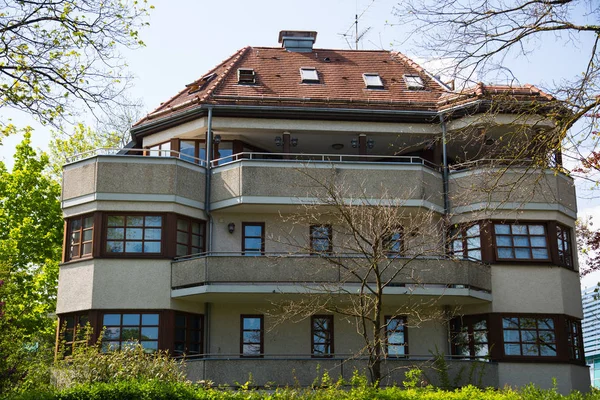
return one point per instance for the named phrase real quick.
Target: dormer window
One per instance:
(414, 82)
(309, 75)
(246, 76)
(373, 81)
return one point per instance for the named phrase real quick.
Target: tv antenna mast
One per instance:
(356, 36)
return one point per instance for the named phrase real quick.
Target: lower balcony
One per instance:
(304, 371)
(222, 274)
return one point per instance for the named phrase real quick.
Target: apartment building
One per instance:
(591, 333)
(238, 257)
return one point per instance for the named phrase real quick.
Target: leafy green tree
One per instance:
(30, 250)
(57, 57)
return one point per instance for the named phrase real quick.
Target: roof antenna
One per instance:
(356, 36)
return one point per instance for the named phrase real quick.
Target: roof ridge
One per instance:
(238, 55)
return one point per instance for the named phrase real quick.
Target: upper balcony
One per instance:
(215, 274)
(105, 178)
(281, 178)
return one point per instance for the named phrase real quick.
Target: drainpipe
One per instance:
(208, 153)
(445, 173)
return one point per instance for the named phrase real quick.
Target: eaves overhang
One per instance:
(282, 112)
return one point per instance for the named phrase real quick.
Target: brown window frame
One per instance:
(574, 340)
(529, 235)
(565, 254)
(188, 334)
(124, 253)
(523, 341)
(329, 237)
(122, 327)
(69, 256)
(461, 234)
(245, 250)
(401, 321)
(199, 145)
(190, 236)
(466, 325)
(261, 331)
(148, 150)
(73, 334)
(328, 343)
(390, 243)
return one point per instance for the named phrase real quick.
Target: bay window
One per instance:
(137, 234)
(127, 329)
(521, 241)
(80, 237)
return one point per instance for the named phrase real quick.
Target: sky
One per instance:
(186, 38)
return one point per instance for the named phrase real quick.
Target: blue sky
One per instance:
(186, 38)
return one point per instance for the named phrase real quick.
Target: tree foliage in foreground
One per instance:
(30, 250)
(59, 56)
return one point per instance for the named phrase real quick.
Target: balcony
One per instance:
(111, 177)
(304, 371)
(488, 185)
(286, 178)
(300, 274)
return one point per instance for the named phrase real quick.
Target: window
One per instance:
(320, 239)
(322, 335)
(521, 242)
(252, 337)
(414, 82)
(140, 234)
(395, 335)
(160, 150)
(394, 243)
(188, 334)
(192, 151)
(373, 81)
(466, 242)
(470, 337)
(73, 331)
(309, 75)
(253, 238)
(121, 330)
(81, 234)
(574, 340)
(529, 337)
(190, 236)
(563, 240)
(246, 75)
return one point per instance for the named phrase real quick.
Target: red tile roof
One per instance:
(341, 83)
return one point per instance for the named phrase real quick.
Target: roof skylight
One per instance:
(373, 81)
(414, 82)
(309, 75)
(246, 75)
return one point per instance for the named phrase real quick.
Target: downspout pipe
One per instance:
(445, 174)
(208, 154)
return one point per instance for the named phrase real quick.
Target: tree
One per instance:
(378, 244)
(476, 38)
(57, 57)
(30, 250)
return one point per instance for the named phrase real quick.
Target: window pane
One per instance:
(182, 250)
(253, 230)
(475, 254)
(131, 319)
(251, 323)
(512, 323)
(395, 350)
(538, 241)
(396, 337)
(505, 253)
(151, 247)
(473, 243)
(182, 225)
(87, 235)
(502, 229)
(537, 230)
(251, 336)
(540, 254)
(132, 333)
(154, 221)
(547, 350)
(512, 349)
(135, 221)
(115, 233)
(522, 253)
(112, 333)
(473, 231)
(503, 241)
(187, 150)
(150, 346)
(251, 349)
(182, 237)
(149, 319)
(149, 333)
(134, 234)
(519, 229)
(76, 224)
(114, 247)
(252, 244)
(195, 227)
(116, 220)
(521, 241)
(152, 234)
(511, 336)
(133, 247)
